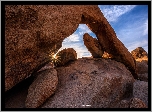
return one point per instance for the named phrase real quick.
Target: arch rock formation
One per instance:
(32, 31)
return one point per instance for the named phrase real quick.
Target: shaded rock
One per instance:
(42, 88)
(141, 67)
(139, 52)
(91, 83)
(32, 31)
(140, 90)
(137, 103)
(143, 77)
(93, 46)
(64, 56)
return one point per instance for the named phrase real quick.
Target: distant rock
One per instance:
(91, 83)
(139, 53)
(42, 88)
(93, 46)
(64, 56)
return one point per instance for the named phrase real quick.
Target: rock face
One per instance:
(139, 52)
(64, 56)
(93, 46)
(91, 83)
(32, 31)
(42, 88)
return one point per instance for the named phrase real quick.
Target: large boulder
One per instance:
(42, 88)
(33, 31)
(64, 56)
(91, 83)
(93, 46)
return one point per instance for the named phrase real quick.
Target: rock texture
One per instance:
(93, 46)
(140, 91)
(132, 103)
(137, 103)
(64, 56)
(139, 52)
(141, 67)
(42, 88)
(91, 83)
(32, 31)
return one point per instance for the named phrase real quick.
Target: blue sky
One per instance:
(130, 22)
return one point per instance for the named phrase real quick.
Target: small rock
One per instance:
(64, 56)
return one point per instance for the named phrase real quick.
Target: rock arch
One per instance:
(30, 35)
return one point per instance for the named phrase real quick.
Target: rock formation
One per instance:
(93, 46)
(32, 31)
(42, 88)
(91, 83)
(139, 53)
(64, 56)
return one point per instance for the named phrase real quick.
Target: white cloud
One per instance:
(72, 38)
(83, 28)
(134, 45)
(145, 27)
(112, 13)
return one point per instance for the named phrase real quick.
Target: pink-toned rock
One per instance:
(93, 46)
(42, 88)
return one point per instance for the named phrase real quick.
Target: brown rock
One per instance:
(108, 39)
(64, 56)
(32, 31)
(42, 88)
(93, 46)
(139, 52)
(137, 103)
(91, 83)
